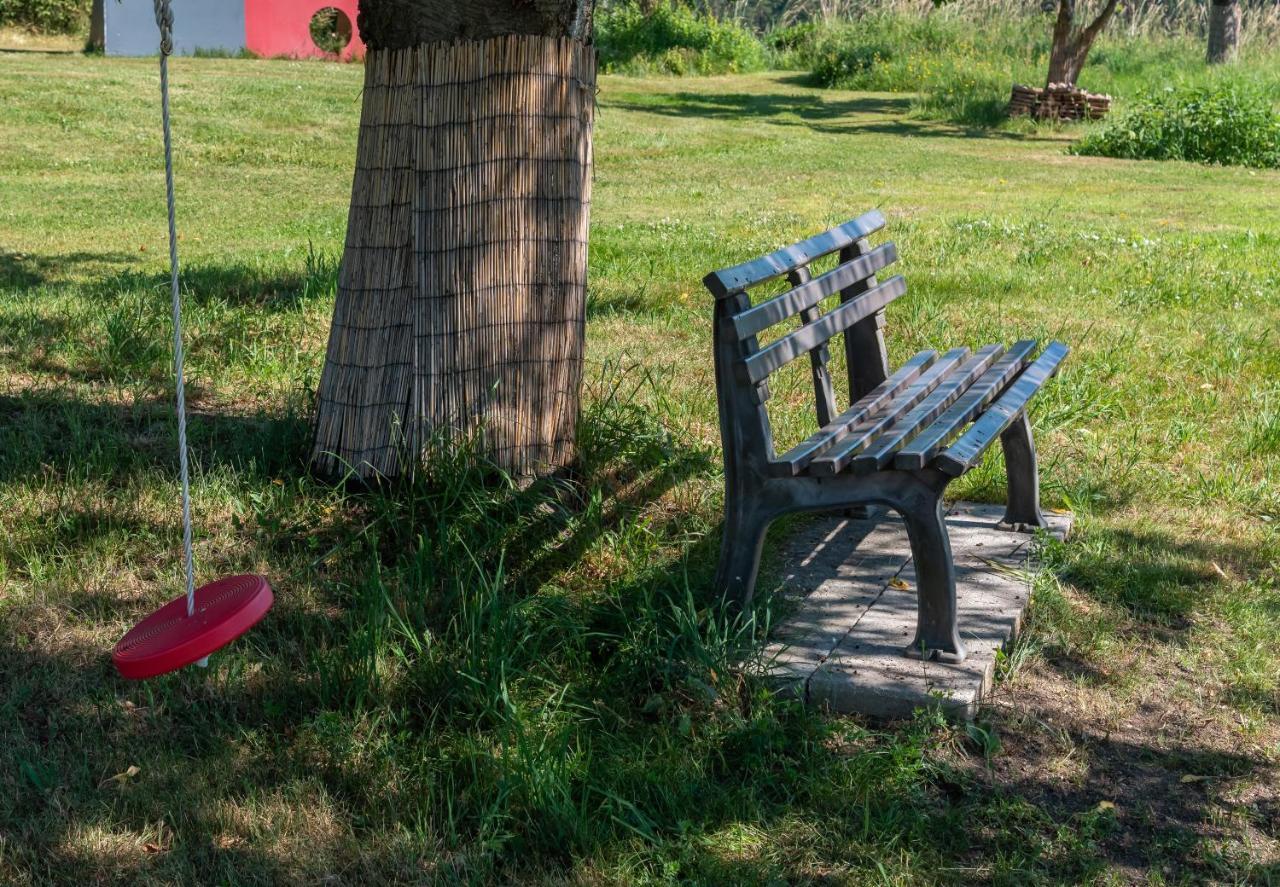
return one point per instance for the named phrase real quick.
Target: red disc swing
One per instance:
(186, 630)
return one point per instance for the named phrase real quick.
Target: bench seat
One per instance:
(904, 437)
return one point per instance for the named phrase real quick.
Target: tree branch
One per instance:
(1091, 33)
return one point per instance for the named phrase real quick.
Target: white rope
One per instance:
(164, 21)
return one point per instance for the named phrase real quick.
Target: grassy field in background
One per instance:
(22, 40)
(467, 683)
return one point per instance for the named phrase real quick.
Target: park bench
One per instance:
(905, 437)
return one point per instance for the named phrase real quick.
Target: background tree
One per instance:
(1071, 44)
(461, 294)
(1224, 30)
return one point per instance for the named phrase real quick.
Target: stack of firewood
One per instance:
(1060, 101)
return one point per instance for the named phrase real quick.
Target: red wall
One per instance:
(283, 27)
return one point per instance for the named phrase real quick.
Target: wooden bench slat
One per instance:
(927, 443)
(820, 331)
(839, 456)
(881, 450)
(748, 274)
(794, 460)
(962, 455)
(779, 308)
(823, 391)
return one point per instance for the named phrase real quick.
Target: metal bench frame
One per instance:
(900, 443)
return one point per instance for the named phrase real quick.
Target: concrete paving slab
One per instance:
(853, 587)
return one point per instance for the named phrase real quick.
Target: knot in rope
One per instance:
(164, 21)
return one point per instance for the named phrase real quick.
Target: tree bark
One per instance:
(1224, 31)
(1071, 45)
(97, 28)
(461, 294)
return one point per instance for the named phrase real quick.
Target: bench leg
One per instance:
(740, 547)
(937, 636)
(1023, 511)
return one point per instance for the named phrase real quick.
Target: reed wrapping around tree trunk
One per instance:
(461, 297)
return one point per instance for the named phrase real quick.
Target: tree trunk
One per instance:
(462, 289)
(97, 28)
(1224, 31)
(1071, 45)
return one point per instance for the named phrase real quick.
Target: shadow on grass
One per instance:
(677, 762)
(1138, 805)
(70, 723)
(1159, 580)
(57, 434)
(865, 114)
(328, 711)
(269, 285)
(116, 329)
(210, 743)
(29, 271)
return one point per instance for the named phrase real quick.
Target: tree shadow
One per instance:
(843, 116)
(55, 432)
(1159, 580)
(114, 328)
(263, 285)
(74, 724)
(24, 270)
(70, 722)
(1172, 792)
(1141, 805)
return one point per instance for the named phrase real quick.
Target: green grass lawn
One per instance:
(463, 682)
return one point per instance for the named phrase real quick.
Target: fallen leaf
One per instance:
(895, 582)
(122, 778)
(1192, 777)
(1104, 805)
(152, 847)
(1006, 569)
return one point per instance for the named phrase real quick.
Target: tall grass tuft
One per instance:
(550, 714)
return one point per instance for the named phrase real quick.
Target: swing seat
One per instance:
(169, 639)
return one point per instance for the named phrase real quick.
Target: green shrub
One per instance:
(792, 46)
(1227, 124)
(54, 16)
(674, 40)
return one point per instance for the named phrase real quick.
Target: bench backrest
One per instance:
(743, 366)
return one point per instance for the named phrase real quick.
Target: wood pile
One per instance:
(1059, 101)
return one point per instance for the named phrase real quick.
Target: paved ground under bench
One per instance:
(854, 586)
